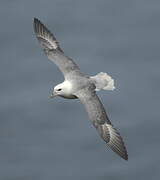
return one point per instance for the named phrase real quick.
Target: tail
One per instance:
(103, 81)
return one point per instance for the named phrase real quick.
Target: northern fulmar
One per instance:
(79, 85)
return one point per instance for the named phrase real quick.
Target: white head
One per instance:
(63, 89)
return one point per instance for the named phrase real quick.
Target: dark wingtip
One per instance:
(116, 143)
(35, 23)
(41, 31)
(36, 20)
(125, 157)
(38, 26)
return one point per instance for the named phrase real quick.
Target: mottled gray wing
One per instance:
(98, 116)
(52, 49)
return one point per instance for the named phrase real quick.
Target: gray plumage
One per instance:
(101, 122)
(52, 49)
(81, 86)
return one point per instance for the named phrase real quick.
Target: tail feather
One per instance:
(103, 81)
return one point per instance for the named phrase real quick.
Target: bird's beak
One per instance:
(53, 95)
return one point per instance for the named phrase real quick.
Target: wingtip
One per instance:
(39, 27)
(125, 157)
(35, 19)
(35, 23)
(42, 32)
(116, 143)
(123, 154)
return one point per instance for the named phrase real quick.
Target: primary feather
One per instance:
(52, 49)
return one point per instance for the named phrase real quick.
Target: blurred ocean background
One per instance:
(45, 139)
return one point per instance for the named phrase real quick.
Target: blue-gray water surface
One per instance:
(45, 139)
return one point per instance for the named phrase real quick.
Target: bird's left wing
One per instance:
(98, 116)
(52, 49)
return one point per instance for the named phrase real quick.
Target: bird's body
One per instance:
(78, 85)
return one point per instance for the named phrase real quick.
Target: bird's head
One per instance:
(62, 89)
(57, 91)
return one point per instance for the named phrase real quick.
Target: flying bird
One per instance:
(79, 85)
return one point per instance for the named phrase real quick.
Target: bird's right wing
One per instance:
(98, 116)
(52, 49)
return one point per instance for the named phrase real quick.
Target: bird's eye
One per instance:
(59, 89)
